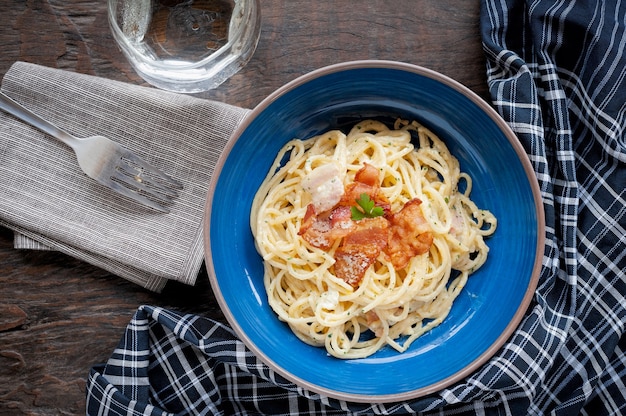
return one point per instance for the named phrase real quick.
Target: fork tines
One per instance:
(145, 183)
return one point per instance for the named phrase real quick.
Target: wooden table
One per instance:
(59, 316)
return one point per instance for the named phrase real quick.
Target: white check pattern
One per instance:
(557, 75)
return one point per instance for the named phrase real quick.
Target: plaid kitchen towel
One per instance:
(557, 75)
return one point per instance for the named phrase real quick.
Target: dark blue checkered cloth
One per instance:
(557, 74)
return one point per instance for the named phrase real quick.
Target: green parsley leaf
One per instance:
(368, 208)
(357, 214)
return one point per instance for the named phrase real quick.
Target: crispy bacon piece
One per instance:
(341, 221)
(367, 175)
(409, 234)
(366, 181)
(308, 220)
(322, 231)
(401, 236)
(360, 249)
(353, 192)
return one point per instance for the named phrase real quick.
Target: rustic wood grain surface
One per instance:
(59, 316)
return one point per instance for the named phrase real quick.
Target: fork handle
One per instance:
(10, 106)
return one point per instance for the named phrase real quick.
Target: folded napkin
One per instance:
(50, 203)
(557, 75)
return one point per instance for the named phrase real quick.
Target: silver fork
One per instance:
(107, 162)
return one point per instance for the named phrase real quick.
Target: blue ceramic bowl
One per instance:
(495, 298)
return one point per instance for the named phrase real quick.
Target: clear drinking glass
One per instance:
(186, 45)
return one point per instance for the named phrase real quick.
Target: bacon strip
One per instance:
(366, 182)
(401, 236)
(409, 234)
(360, 249)
(323, 230)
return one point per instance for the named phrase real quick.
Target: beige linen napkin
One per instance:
(50, 203)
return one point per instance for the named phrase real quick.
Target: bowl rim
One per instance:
(530, 175)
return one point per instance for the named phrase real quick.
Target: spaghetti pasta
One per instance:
(381, 304)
